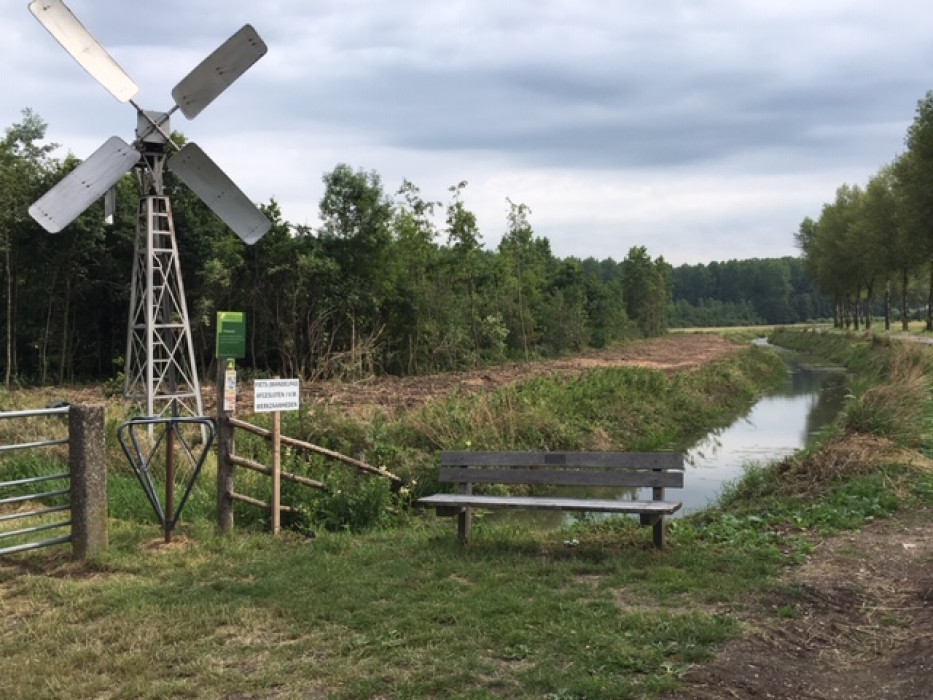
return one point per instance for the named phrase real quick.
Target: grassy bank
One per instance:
(629, 408)
(891, 395)
(623, 408)
(403, 611)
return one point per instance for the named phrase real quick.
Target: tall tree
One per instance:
(24, 162)
(356, 217)
(464, 237)
(879, 239)
(837, 257)
(915, 179)
(647, 290)
(516, 249)
(415, 314)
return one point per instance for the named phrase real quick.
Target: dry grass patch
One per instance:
(844, 457)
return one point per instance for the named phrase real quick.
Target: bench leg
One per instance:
(657, 524)
(657, 494)
(464, 521)
(658, 528)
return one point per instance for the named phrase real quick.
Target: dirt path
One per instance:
(855, 622)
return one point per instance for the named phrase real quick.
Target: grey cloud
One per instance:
(795, 95)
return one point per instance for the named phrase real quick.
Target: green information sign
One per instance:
(231, 334)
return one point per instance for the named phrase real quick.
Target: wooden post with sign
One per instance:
(230, 345)
(274, 396)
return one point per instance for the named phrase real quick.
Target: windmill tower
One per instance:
(160, 364)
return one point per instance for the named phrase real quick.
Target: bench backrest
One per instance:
(635, 469)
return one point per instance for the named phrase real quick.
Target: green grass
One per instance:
(405, 611)
(402, 612)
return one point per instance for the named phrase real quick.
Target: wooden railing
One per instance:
(227, 459)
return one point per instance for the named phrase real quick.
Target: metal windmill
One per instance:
(160, 363)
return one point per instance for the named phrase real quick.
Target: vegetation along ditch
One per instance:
(384, 602)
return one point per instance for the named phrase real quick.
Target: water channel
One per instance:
(777, 425)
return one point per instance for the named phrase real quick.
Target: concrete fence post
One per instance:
(88, 456)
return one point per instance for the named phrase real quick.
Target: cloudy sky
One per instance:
(702, 129)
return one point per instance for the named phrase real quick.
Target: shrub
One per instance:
(350, 502)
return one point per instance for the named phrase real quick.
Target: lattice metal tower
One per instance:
(160, 364)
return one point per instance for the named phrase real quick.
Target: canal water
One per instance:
(777, 425)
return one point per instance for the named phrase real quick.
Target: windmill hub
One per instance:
(146, 123)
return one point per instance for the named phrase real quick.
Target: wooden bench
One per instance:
(655, 470)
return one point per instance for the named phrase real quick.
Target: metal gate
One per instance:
(33, 490)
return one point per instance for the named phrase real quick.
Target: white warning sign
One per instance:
(271, 395)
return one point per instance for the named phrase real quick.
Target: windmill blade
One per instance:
(84, 185)
(219, 193)
(218, 71)
(61, 23)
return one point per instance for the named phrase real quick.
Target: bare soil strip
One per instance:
(855, 622)
(671, 353)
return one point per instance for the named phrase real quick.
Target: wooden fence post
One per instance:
(276, 472)
(225, 448)
(88, 457)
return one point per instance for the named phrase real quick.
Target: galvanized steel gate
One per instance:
(35, 488)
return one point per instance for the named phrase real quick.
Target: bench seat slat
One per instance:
(562, 477)
(619, 460)
(449, 500)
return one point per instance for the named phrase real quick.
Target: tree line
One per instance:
(387, 283)
(873, 246)
(397, 283)
(772, 291)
